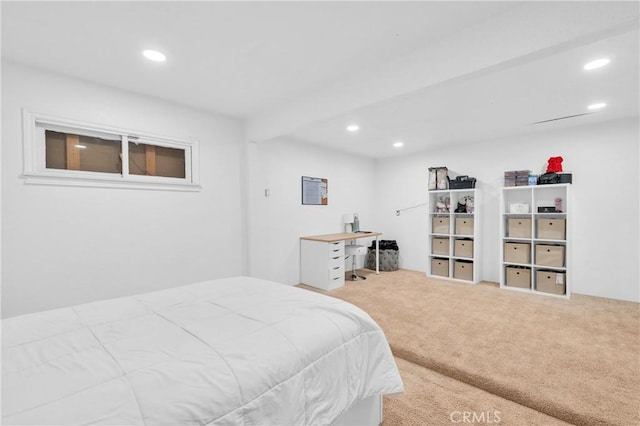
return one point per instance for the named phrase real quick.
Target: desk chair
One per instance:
(354, 250)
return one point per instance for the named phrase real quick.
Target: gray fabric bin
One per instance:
(388, 260)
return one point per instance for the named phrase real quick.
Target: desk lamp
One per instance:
(348, 220)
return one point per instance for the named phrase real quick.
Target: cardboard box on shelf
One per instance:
(463, 270)
(517, 277)
(440, 267)
(551, 229)
(440, 225)
(519, 228)
(517, 252)
(463, 248)
(440, 245)
(551, 282)
(464, 226)
(549, 255)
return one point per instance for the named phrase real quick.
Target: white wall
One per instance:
(604, 162)
(277, 222)
(65, 245)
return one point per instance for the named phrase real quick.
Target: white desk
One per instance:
(322, 258)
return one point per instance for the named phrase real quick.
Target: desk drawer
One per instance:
(336, 262)
(322, 264)
(337, 272)
(336, 249)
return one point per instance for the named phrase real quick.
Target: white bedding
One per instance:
(231, 351)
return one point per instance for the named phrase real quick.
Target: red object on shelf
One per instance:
(554, 164)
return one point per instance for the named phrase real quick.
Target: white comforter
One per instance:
(230, 351)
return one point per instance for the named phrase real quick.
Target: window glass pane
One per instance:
(68, 151)
(153, 160)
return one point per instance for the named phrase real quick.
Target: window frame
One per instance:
(35, 171)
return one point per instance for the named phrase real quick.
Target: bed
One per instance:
(235, 351)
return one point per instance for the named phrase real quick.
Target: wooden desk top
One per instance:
(343, 236)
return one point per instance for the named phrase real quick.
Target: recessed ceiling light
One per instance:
(398, 144)
(599, 105)
(154, 55)
(598, 63)
(353, 127)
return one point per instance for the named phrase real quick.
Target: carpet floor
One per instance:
(430, 398)
(576, 361)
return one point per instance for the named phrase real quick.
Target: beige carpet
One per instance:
(575, 360)
(433, 399)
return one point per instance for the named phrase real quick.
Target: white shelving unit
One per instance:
(454, 238)
(535, 247)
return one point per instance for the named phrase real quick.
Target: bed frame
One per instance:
(367, 412)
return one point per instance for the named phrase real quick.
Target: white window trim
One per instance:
(34, 171)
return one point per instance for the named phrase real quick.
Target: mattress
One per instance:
(236, 351)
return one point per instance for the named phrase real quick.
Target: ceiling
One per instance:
(495, 104)
(426, 73)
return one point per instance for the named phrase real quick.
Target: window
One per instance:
(62, 152)
(152, 160)
(67, 151)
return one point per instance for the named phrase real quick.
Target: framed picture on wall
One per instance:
(315, 191)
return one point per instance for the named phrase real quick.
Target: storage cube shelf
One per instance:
(454, 237)
(535, 245)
